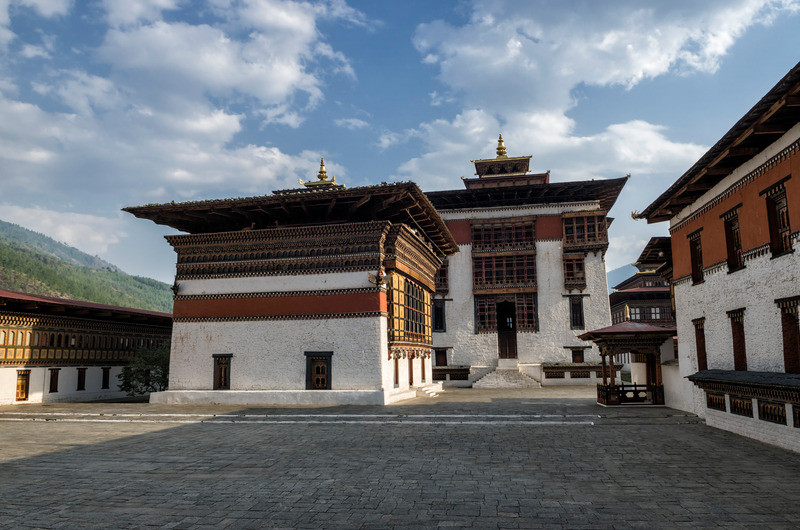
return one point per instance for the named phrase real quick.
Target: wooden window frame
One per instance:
(790, 331)
(23, 389)
(410, 313)
(733, 239)
(696, 256)
(503, 271)
(736, 316)
(576, 314)
(310, 357)
(585, 230)
(574, 271)
(437, 352)
(578, 355)
(106, 380)
(506, 234)
(780, 232)
(440, 279)
(81, 379)
(700, 343)
(53, 387)
(439, 314)
(222, 371)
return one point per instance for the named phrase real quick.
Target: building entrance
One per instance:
(507, 330)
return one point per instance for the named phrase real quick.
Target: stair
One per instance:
(504, 378)
(429, 391)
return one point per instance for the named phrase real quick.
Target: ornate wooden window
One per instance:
(733, 240)
(440, 279)
(81, 379)
(409, 311)
(23, 384)
(715, 401)
(737, 332)
(54, 380)
(500, 271)
(585, 230)
(635, 313)
(700, 343)
(696, 256)
(486, 312)
(503, 235)
(318, 370)
(222, 371)
(742, 406)
(772, 412)
(790, 327)
(778, 219)
(576, 312)
(574, 273)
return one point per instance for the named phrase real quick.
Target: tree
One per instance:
(147, 372)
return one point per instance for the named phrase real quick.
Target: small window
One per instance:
(790, 327)
(440, 280)
(318, 370)
(106, 377)
(778, 219)
(700, 343)
(81, 379)
(733, 241)
(576, 312)
(222, 371)
(737, 333)
(696, 256)
(577, 355)
(440, 356)
(439, 316)
(54, 380)
(636, 313)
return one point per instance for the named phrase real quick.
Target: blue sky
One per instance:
(106, 104)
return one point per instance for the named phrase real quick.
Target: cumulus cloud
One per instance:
(133, 11)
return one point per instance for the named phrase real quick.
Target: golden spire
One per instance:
(322, 177)
(501, 149)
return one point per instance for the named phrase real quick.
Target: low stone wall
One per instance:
(554, 374)
(282, 397)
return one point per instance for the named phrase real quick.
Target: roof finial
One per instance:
(322, 177)
(501, 149)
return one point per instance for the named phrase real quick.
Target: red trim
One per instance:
(281, 306)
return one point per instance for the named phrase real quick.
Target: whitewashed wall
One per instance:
(546, 345)
(39, 388)
(269, 355)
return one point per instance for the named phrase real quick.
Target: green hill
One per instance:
(36, 264)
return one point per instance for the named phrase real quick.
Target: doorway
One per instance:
(507, 330)
(23, 384)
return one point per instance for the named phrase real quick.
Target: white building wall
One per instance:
(269, 355)
(546, 345)
(39, 387)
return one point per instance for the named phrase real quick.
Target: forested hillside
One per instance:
(36, 264)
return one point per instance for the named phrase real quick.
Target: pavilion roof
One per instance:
(769, 119)
(22, 302)
(603, 191)
(629, 329)
(639, 293)
(401, 202)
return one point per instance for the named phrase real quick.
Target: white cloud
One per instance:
(351, 123)
(132, 11)
(89, 233)
(46, 8)
(30, 51)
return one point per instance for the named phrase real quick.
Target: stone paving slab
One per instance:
(627, 468)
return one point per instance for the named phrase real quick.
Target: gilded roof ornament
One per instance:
(501, 149)
(322, 178)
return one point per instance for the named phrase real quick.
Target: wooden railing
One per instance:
(630, 394)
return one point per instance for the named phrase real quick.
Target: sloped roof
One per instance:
(769, 119)
(22, 302)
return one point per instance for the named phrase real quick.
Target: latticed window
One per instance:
(696, 256)
(585, 230)
(778, 218)
(410, 311)
(733, 240)
(486, 312)
(440, 279)
(574, 273)
(499, 235)
(498, 271)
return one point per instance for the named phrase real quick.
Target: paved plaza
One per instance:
(529, 458)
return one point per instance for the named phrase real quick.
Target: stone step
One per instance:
(506, 379)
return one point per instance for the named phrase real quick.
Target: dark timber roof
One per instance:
(401, 202)
(46, 305)
(770, 118)
(605, 191)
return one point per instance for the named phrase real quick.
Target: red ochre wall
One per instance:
(461, 230)
(753, 226)
(313, 305)
(547, 227)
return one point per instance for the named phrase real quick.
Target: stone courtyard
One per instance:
(527, 458)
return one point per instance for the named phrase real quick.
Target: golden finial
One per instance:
(501, 149)
(322, 177)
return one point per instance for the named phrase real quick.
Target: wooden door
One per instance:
(23, 382)
(507, 330)
(319, 371)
